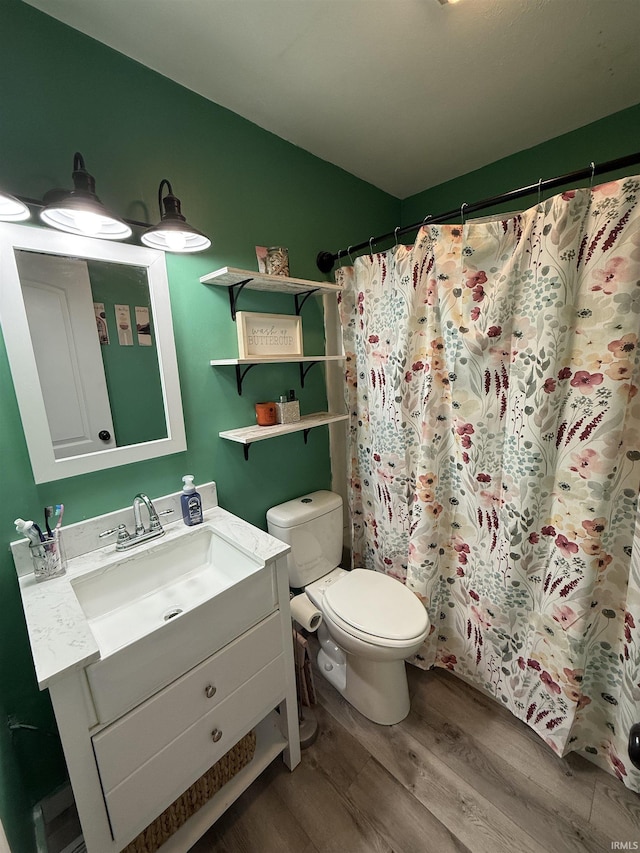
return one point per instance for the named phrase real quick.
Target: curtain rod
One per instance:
(325, 260)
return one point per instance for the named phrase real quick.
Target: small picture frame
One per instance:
(268, 335)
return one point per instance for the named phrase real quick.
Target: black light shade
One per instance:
(173, 233)
(80, 211)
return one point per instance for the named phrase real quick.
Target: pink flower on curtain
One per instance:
(607, 189)
(549, 385)
(478, 296)
(585, 381)
(425, 487)
(618, 766)
(476, 278)
(607, 279)
(465, 429)
(480, 617)
(475, 313)
(619, 370)
(564, 615)
(568, 548)
(549, 683)
(603, 561)
(591, 547)
(494, 331)
(594, 526)
(624, 346)
(586, 463)
(565, 373)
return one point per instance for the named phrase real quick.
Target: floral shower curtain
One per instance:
(492, 372)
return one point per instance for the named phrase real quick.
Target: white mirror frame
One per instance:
(22, 360)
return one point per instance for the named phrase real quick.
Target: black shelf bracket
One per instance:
(305, 434)
(245, 448)
(234, 291)
(305, 367)
(240, 374)
(299, 302)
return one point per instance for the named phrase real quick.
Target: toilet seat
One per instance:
(375, 608)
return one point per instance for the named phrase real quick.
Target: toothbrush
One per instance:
(48, 512)
(59, 513)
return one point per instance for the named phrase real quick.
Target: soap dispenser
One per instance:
(191, 502)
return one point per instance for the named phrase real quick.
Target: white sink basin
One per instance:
(158, 582)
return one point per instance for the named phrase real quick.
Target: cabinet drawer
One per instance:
(122, 680)
(127, 744)
(141, 797)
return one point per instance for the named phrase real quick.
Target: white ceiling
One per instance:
(405, 94)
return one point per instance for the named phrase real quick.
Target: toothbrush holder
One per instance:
(288, 411)
(48, 558)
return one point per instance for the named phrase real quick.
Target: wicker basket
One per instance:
(187, 804)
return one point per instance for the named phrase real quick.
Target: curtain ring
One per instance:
(370, 247)
(338, 258)
(350, 256)
(593, 171)
(395, 231)
(424, 221)
(462, 207)
(539, 190)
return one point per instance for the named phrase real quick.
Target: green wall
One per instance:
(240, 185)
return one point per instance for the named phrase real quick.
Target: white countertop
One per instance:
(60, 637)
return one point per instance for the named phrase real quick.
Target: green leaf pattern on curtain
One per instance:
(492, 377)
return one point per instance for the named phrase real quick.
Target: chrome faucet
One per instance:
(154, 521)
(125, 540)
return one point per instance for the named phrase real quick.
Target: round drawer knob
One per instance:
(210, 691)
(216, 734)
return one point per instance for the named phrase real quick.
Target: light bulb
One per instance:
(176, 241)
(88, 223)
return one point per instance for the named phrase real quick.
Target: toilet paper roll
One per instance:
(305, 613)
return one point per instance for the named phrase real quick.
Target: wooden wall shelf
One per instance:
(248, 363)
(235, 280)
(247, 435)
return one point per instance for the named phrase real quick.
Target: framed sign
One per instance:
(268, 335)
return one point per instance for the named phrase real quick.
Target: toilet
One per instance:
(371, 622)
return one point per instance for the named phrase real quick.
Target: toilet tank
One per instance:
(312, 526)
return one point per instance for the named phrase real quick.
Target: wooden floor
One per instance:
(459, 775)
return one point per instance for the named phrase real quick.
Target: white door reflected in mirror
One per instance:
(57, 298)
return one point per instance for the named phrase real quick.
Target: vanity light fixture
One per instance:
(12, 209)
(80, 211)
(173, 233)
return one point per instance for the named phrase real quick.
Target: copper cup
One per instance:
(266, 414)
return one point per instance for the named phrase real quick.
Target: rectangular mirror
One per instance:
(88, 331)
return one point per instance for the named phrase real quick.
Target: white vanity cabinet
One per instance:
(137, 735)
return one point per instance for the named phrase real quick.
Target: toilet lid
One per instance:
(377, 604)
